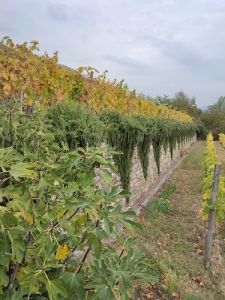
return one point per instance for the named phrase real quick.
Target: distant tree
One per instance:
(185, 104)
(143, 96)
(214, 117)
(165, 100)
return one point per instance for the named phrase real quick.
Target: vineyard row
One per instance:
(40, 81)
(210, 159)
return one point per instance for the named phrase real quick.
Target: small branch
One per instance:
(13, 275)
(37, 263)
(121, 253)
(83, 260)
(73, 214)
(53, 226)
(74, 248)
(86, 253)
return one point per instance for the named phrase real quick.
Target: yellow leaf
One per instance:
(28, 218)
(5, 75)
(7, 88)
(62, 252)
(20, 273)
(36, 287)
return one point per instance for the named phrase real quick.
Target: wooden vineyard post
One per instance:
(21, 100)
(91, 78)
(212, 214)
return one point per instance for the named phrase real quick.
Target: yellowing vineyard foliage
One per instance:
(222, 139)
(44, 82)
(210, 159)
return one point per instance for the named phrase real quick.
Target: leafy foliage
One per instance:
(184, 103)
(42, 81)
(75, 126)
(222, 139)
(57, 227)
(210, 159)
(40, 78)
(124, 133)
(214, 117)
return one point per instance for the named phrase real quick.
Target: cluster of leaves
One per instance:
(40, 79)
(109, 95)
(44, 82)
(210, 159)
(222, 139)
(75, 125)
(59, 234)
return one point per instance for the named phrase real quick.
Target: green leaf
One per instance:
(74, 283)
(107, 223)
(8, 220)
(55, 288)
(128, 226)
(94, 242)
(5, 247)
(18, 248)
(103, 292)
(137, 226)
(23, 170)
(85, 179)
(100, 159)
(4, 279)
(106, 177)
(30, 280)
(125, 194)
(80, 221)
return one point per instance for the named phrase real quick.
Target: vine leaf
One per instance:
(62, 252)
(19, 249)
(100, 159)
(23, 170)
(74, 283)
(7, 88)
(106, 177)
(54, 288)
(4, 279)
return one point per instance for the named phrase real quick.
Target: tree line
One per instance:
(212, 119)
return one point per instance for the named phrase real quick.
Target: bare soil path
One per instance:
(174, 238)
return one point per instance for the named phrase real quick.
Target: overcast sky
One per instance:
(158, 46)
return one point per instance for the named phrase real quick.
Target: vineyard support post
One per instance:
(212, 214)
(21, 100)
(91, 78)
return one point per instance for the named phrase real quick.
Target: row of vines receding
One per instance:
(40, 81)
(210, 159)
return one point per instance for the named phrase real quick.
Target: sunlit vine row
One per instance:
(222, 139)
(43, 81)
(210, 159)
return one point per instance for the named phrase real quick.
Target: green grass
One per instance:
(161, 203)
(193, 160)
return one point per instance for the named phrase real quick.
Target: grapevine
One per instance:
(210, 159)
(222, 139)
(44, 82)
